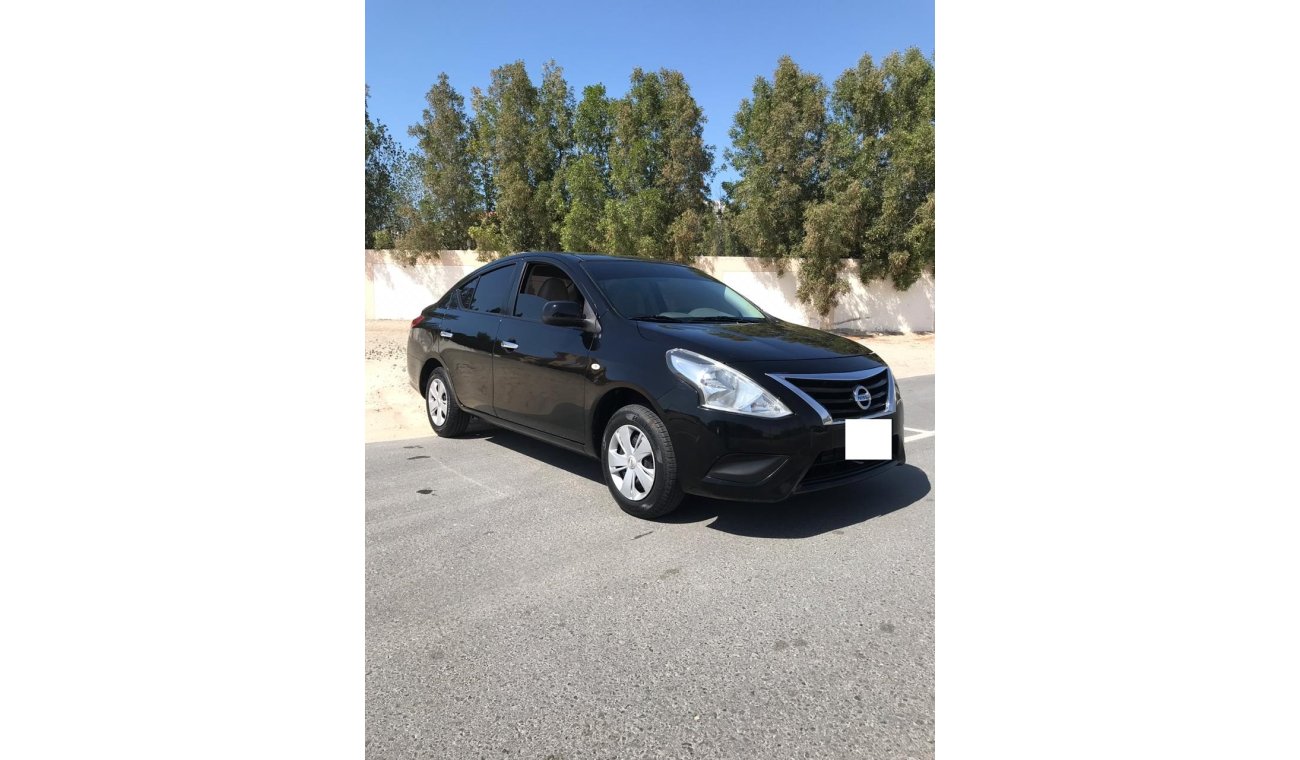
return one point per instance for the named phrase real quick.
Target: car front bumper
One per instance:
(731, 456)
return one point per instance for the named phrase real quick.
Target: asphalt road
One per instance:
(512, 610)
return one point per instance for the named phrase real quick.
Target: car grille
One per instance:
(836, 395)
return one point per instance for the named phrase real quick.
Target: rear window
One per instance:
(450, 300)
(487, 293)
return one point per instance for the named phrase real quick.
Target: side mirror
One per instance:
(563, 314)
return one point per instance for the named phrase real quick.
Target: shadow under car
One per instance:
(800, 516)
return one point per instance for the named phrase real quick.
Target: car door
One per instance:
(467, 336)
(541, 370)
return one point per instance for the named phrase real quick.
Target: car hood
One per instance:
(749, 342)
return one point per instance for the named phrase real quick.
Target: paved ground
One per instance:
(512, 610)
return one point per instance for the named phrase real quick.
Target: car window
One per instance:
(458, 298)
(542, 283)
(449, 300)
(489, 291)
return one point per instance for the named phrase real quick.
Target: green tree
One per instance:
(829, 237)
(887, 113)
(587, 173)
(581, 230)
(855, 183)
(659, 166)
(386, 193)
(834, 223)
(593, 128)
(688, 235)
(523, 138)
(552, 151)
(503, 117)
(686, 162)
(450, 202)
(778, 149)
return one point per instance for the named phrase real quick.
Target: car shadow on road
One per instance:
(569, 461)
(800, 516)
(812, 514)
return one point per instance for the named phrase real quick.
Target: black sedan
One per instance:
(676, 382)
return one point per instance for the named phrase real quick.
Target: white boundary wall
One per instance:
(396, 291)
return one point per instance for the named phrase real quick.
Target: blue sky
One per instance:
(719, 46)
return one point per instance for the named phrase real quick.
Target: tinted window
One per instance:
(489, 295)
(450, 300)
(668, 292)
(543, 283)
(462, 295)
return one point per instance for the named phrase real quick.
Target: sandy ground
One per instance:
(394, 410)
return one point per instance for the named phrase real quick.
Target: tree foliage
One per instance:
(825, 174)
(778, 148)
(588, 188)
(658, 167)
(553, 148)
(503, 118)
(524, 137)
(450, 203)
(387, 175)
(587, 174)
(888, 113)
(847, 174)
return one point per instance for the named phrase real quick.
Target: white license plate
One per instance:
(868, 439)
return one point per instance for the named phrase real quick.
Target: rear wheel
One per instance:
(639, 464)
(445, 415)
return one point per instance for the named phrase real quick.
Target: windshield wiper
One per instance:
(654, 318)
(724, 319)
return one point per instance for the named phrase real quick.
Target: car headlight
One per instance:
(723, 388)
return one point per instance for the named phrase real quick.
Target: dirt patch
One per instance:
(394, 409)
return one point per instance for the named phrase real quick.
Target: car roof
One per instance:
(587, 257)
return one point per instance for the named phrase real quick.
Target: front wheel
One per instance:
(639, 463)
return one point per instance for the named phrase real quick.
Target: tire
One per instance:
(636, 428)
(440, 404)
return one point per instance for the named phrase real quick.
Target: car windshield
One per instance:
(655, 292)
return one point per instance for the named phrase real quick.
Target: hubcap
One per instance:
(438, 401)
(631, 462)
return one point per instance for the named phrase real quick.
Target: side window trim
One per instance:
(521, 268)
(525, 271)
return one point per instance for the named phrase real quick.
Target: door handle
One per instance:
(507, 345)
(445, 334)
